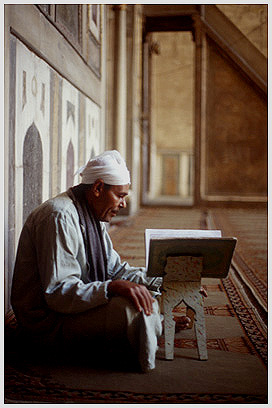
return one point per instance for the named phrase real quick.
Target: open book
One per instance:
(216, 251)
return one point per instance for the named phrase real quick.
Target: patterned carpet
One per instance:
(250, 258)
(236, 369)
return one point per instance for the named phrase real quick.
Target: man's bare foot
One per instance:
(203, 292)
(183, 323)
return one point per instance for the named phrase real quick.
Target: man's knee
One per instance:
(121, 305)
(120, 313)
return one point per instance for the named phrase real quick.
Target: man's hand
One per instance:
(138, 294)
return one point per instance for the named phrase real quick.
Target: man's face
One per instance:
(107, 200)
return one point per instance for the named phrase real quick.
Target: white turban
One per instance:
(109, 166)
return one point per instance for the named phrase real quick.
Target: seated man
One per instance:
(69, 285)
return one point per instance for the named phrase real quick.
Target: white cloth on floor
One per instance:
(114, 323)
(144, 337)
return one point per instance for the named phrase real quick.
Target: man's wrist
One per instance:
(109, 290)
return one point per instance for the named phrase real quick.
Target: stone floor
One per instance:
(236, 369)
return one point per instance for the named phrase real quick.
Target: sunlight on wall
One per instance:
(172, 114)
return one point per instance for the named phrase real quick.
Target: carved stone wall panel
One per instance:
(70, 170)
(94, 55)
(94, 40)
(46, 83)
(45, 8)
(93, 141)
(56, 129)
(55, 134)
(236, 132)
(32, 109)
(32, 171)
(69, 131)
(9, 233)
(68, 16)
(81, 130)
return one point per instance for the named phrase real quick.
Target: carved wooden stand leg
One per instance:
(182, 283)
(169, 329)
(193, 298)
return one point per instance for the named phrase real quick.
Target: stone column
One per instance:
(121, 79)
(184, 174)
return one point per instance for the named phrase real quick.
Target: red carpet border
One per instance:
(250, 257)
(249, 320)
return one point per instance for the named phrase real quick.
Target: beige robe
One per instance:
(50, 283)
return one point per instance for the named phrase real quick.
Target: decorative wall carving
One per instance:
(69, 20)
(93, 142)
(94, 42)
(49, 143)
(69, 130)
(70, 169)
(47, 137)
(31, 133)
(94, 20)
(68, 16)
(33, 169)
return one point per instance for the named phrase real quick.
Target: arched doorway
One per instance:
(169, 111)
(70, 165)
(32, 170)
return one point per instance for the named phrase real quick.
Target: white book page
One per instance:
(176, 233)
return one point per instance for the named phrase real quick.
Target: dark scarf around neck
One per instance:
(92, 234)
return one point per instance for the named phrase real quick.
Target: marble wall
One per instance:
(234, 163)
(32, 124)
(251, 19)
(54, 129)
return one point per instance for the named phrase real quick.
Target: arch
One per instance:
(32, 170)
(70, 165)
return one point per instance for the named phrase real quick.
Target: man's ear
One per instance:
(98, 187)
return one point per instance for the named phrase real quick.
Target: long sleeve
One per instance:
(61, 260)
(122, 270)
(51, 265)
